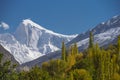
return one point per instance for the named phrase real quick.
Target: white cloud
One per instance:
(4, 25)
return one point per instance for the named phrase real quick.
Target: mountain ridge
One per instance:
(104, 34)
(114, 22)
(31, 41)
(29, 21)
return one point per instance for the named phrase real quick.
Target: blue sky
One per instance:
(62, 16)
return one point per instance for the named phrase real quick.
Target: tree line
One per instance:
(94, 63)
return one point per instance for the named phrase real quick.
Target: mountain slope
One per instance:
(104, 34)
(39, 38)
(20, 52)
(31, 41)
(7, 56)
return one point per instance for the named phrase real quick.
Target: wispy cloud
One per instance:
(4, 25)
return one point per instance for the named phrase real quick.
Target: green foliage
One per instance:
(63, 56)
(91, 42)
(93, 64)
(6, 71)
(116, 76)
(81, 74)
(75, 48)
(24, 75)
(1, 55)
(118, 50)
(119, 44)
(55, 68)
(38, 74)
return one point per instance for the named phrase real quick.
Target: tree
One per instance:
(55, 68)
(23, 75)
(71, 58)
(71, 76)
(81, 74)
(91, 40)
(37, 73)
(1, 55)
(118, 49)
(75, 48)
(116, 76)
(118, 44)
(63, 56)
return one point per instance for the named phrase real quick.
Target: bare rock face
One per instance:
(7, 56)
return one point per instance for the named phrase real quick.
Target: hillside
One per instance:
(7, 56)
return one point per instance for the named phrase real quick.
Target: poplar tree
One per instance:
(118, 48)
(75, 49)
(91, 42)
(118, 45)
(63, 56)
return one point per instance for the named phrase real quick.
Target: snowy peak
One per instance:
(114, 22)
(28, 30)
(104, 34)
(31, 41)
(28, 22)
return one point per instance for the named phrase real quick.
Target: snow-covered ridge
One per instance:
(102, 38)
(27, 22)
(104, 33)
(30, 41)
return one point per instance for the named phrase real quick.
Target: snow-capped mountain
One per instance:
(104, 34)
(31, 41)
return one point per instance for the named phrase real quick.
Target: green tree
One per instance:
(7, 71)
(38, 74)
(119, 45)
(75, 48)
(91, 40)
(71, 76)
(119, 49)
(55, 68)
(23, 75)
(116, 76)
(63, 56)
(1, 55)
(81, 74)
